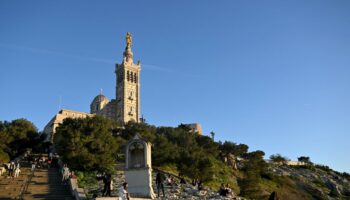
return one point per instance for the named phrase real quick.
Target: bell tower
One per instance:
(128, 86)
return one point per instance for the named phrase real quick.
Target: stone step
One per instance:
(11, 188)
(57, 197)
(47, 184)
(46, 187)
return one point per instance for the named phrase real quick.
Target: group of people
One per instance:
(66, 174)
(197, 183)
(161, 179)
(225, 190)
(38, 163)
(42, 162)
(107, 179)
(12, 168)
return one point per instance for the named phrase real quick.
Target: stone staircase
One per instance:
(11, 188)
(46, 184)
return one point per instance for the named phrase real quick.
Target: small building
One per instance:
(50, 128)
(195, 128)
(295, 163)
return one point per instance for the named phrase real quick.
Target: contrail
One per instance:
(99, 60)
(56, 53)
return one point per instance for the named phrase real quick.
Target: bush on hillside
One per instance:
(278, 158)
(229, 147)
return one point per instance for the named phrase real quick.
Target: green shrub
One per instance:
(86, 178)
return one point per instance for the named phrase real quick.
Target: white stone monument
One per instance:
(138, 168)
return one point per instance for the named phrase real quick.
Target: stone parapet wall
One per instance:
(77, 193)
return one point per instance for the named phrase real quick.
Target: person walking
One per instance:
(159, 183)
(182, 180)
(200, 185)
(17, 171)
(107, 186)
(104, 179)
(65, 174)
(33, 165)
(12, 169)
(123, 192)
(274, 196)
(169, 181)
(223, 190)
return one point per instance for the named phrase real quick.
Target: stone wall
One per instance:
(50, 128)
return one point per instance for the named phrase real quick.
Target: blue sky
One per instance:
(271, 74)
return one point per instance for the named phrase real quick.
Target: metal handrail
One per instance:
(26, 184)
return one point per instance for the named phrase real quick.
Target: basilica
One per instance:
(126, 105)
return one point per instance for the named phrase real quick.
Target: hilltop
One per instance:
(179, 151)
(95, 145)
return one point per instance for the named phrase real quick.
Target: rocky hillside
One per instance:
(307, 182)
(290, 183)
(183, 153)
(174, 192)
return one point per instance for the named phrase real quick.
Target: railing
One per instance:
(26, 184)
(26, 181)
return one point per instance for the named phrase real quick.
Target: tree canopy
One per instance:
(232, 148)
(87, 144)
(278, 158)
(304, 159)
(94, 143)
(16, 136)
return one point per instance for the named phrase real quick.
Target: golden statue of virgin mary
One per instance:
(128, 39)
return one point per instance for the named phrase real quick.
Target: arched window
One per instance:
(128, 75)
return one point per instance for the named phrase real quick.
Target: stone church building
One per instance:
(124, 108)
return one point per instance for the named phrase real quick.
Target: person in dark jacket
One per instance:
(108, 185)
(274, 196)
(12, 169)
(159, 183)
(223, 191)
(107, 178)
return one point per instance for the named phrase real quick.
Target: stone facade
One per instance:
(126, 106)
(128, 87)
(50, 128)
(138, 168)
(295, 163)
(103, 107)
(98, 104)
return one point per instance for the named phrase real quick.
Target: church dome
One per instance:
(100, 98)
(99, 102)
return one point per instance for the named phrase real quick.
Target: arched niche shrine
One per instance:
(138, 168)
